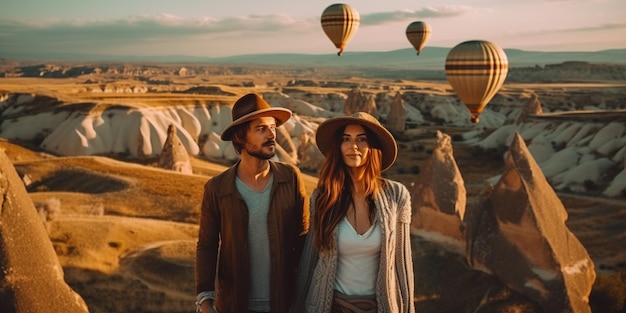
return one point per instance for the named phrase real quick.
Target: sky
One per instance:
(239, 27)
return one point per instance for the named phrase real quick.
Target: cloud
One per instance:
(163, 25)
(572, 30)
(402, 15)
(129, 34)
(604, 27)
(135, 30)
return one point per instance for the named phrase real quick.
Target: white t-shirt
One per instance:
(358, 259)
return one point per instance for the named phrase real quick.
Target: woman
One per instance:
(357, 255)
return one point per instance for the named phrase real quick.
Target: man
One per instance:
(253, 220)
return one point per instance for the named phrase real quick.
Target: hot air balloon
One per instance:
(340, 22)
(476, 70)
(418, 34)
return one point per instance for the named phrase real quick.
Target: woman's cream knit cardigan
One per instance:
(394, 284)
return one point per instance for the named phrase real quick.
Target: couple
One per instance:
(256, 252)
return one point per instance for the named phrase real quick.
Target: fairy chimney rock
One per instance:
(396, 119)
(358, 101)
(532, 106)
(438, 197)
(518, 233)
(284, 142)
(174, 155)
(311, 157)
(31, 277)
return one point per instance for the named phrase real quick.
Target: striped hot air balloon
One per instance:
(476, 70)
(418, 34)
(340, 22)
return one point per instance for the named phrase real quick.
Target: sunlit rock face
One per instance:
(518, 233)
(561, 145)
(438, 198)
(396, 119)
(137, 132)
(299, 106)
(174, 155)
(574, 154)
(31, 277)
(531, 106)
(359, 101)
(286, 144)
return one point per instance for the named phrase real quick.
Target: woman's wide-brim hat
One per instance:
(252, 106)
(328, 129)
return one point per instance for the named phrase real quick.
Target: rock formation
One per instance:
(438, 197)
(301, 107)
(358, 101)
(396, 119)
(31, 277)
(531, 106)
(311, 157)
(302, 135)
(284, 141)
(73, 129)
(518, 233)
(618, 187)
(174, 156)
(48, 211)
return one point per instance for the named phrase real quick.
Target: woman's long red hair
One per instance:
(335, 188)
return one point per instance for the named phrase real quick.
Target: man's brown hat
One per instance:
(253, 106)
(329, 128)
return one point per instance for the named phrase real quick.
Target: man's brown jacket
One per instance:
(222, 263)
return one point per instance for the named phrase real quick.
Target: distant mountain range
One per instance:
(431, 58)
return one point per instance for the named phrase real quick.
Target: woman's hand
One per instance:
(207, 306)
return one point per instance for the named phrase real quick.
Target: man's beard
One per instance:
(258, 152)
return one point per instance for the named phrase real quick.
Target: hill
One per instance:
(431, 58)
(524, 66)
